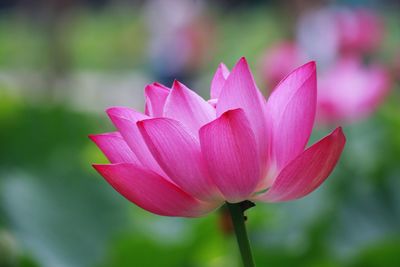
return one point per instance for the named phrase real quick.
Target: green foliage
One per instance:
(52, 205)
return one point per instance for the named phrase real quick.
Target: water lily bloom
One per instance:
(186, 156)
(350, 90)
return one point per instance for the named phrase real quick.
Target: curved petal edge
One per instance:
(291, 110)
(152, 192)
(114, 147)
(308, 171)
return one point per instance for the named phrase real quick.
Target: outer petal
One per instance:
(229, 147)
(156, 95)
(240, 91)
(150, 191)
(125, 120)
(187, 107)
(309, 170)
(218, 80)
(114, 147)
(291, 113)
(178, 153)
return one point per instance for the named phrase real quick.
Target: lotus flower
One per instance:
(350, 91)
(186, 157)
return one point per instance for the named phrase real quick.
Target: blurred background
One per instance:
(63, 62)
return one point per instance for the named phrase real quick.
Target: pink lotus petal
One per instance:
(218, 80)
(240, 91)
(178, 153)
(291, 112)
(151, 192)
(308, 171)
(114, 147)
(189, 108)
(125, 120)
(229, 147)
(156, 95)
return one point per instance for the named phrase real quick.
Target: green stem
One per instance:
(238, 219)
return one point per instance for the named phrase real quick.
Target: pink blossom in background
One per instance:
(186, 157)
(278, 61)
(360, 30)
(350, 90)
(326, 35)
(396, 66)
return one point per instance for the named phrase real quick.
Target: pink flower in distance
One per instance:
(396, 66)
(186, 157)
(278, 61)
(359, 30)
(350, 91)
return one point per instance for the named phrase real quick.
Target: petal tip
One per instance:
(157, 84)
(312, 63)
(241, 69)
(98, 167)
(222, 65)
(126, 113)
(148, 88)
(223, 69)
(179, 86)
(310, 66)
(243, 59)
(141, 124)
(338, 132)
(242, 62)
(154, 85)
(92, 137)
(113, 111)
(176, 84)
(231, 112)
(96, 138)
(109, 110)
